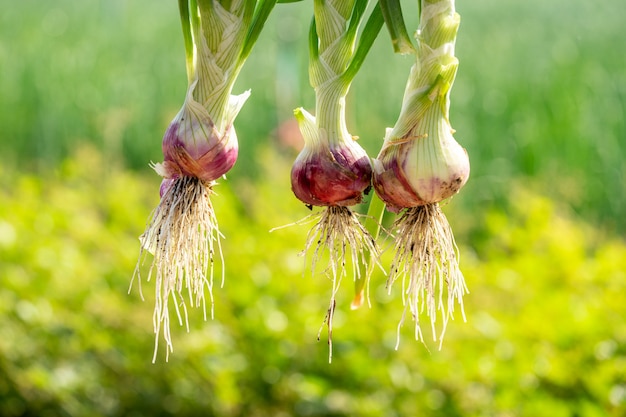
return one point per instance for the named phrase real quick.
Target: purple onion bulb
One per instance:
(329, 173)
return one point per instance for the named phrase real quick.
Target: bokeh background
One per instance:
(87, 89)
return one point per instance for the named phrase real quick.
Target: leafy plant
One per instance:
(544, 335)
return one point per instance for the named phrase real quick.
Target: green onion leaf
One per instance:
(392, 13)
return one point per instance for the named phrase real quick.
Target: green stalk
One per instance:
(194, 17)
(261, 14)
(355, 20)
(353, 58)
(314, 53)
(373, 221)
(434, 71)
(368, 36)
(331, 47)
(400, 39)
(219, 64)
(183, 6)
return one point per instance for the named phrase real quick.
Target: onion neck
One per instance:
(330, 111)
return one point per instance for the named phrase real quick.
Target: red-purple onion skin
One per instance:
(165, 185)
(206, 160)
(337, 176)
(391, 186)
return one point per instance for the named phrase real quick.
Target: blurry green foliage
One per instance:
(539, 104)
(545, 334)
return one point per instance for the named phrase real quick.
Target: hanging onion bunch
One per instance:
(333, 171)
(199, 147)
(421, 165)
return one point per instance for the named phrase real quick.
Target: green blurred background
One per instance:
(87, 89)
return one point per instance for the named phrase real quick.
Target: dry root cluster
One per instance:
(183, 237)
(339, 232)
(426, 258)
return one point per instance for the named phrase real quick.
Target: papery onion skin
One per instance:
(207, 159)
(166, 184)
(338, 175)
(428, 166)
(392, 187)
(399, 189)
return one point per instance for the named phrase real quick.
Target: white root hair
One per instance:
(183, 236)
(426, 254)
(339, 231)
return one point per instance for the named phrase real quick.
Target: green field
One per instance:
(86, 92)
